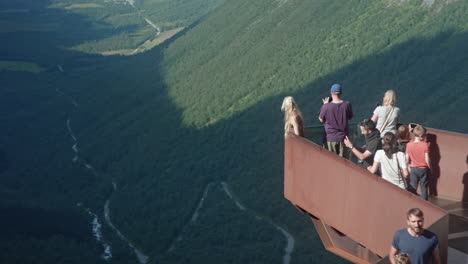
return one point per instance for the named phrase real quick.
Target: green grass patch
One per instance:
(165, 35)
(120, 43)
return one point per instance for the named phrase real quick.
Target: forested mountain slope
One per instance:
(278, 47)
(185, 142)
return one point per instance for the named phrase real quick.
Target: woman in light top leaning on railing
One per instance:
(392, 162)
(387, 115)
(293, 121)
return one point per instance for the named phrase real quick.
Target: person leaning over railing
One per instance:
(334, 114)
(373, 143)
(392, 162)
(293, 121)
(417, 155)
(387, 115)
(403, 137)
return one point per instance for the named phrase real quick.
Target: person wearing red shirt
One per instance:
(417, 154)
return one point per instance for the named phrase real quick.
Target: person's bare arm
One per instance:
(361, 155)
(435, 256)
(357, 151)
(428, 160)
(374, 118)
(296, 131)
(392, 254)
(405, 172)
(374, 167)
(324, 101)
(296, 127)
(403, 165)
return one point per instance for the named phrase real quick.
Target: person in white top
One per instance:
(392, 162)
(387, 115)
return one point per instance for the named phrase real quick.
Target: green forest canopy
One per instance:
(201, 108)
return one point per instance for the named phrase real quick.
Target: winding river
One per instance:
(289, 248)
(95, 224)
(142, 258)
(194, 217)
(289, 238)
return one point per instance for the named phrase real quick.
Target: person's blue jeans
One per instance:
(419, 176)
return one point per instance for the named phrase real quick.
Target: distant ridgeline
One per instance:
(184, 142)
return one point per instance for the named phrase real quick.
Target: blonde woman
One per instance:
(387, 115)
(293, 121)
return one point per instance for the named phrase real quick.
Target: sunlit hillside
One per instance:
(128, 27)
(174, 154)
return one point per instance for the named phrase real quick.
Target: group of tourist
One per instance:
(389, 151)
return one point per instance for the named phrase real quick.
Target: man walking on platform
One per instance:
(420, 244)
(335, 114)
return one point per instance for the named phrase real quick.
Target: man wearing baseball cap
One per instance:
(335, 114)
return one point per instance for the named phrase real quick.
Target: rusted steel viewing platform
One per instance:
(356, 212)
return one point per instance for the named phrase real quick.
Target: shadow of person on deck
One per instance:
(434, 153)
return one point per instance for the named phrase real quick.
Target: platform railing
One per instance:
(449, 158)
(345, 200)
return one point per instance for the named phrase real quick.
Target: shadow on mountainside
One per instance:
(46, 224)
(169, 164)
(132, 133)
(41, 185)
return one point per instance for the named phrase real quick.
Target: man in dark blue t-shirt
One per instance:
(420, 244)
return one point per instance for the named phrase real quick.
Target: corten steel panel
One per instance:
(359, 204)
(441, 228)
(343, 245)
(449, 156)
